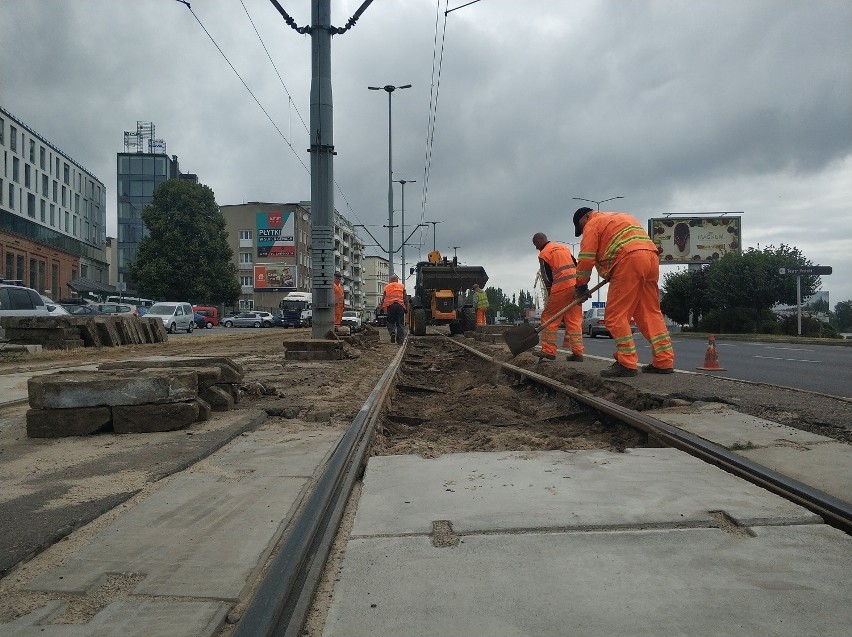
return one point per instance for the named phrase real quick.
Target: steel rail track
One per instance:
(283, 599)
(281, 604)
(834, 511)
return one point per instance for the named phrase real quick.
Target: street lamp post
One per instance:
(434, 225)
(455, 253)
(402, 182)
(389, 88)
(598, 203)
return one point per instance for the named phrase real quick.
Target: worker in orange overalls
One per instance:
(624, 254)
(394, 306)
(339, 299)
(558, 271)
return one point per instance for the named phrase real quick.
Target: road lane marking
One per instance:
(797, 360)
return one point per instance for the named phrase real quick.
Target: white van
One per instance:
(175, 316)
(18, 300)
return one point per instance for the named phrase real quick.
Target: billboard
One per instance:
(695, 239)
(276, 234)
(273, 278)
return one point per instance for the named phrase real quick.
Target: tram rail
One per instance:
(284, 597)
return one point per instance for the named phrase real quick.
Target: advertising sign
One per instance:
(272, 278)
(695, 239)
(276, 235)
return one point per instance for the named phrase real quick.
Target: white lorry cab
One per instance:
(296, 309)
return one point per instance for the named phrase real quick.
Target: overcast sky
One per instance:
(675, 105)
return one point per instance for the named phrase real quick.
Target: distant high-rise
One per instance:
(142, 167)
(52, 214)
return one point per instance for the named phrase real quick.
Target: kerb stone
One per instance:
(64, 390)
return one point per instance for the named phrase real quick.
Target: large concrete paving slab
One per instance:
(784, 581)
(127, 619)
(826, 466)
(514, 491)
(204, 533)
(729, 428)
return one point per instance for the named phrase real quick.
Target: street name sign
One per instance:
(813, 269)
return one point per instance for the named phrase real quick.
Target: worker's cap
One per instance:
(394, 277)
(337, 275)
(581, 212)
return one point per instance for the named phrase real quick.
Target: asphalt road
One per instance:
(821, 368)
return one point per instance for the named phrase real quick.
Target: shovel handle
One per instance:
(559, 314)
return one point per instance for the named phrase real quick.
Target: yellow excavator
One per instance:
(442, 294)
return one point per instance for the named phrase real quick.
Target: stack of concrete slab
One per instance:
(131, 397)
(72, 332)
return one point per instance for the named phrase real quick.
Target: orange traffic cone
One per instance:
(711, 358)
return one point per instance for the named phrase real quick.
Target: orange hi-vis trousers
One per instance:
(480, 315)
(338, 313)
(633, 292)
(572, 319)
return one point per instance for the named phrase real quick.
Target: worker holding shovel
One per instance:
(624, 254)
(558, 272)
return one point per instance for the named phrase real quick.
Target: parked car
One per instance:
(117, 308)
(82, 310)
(266, 318)
(210, 314)
(593, 323)
(19, 300)
(245, 319)
(175, 316)
(53, 307)
(353, 319)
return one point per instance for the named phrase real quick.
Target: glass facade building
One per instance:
(138, 175)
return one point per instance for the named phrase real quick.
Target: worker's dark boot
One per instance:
(617, 370)
(650, 369)
(393, 337)
(543, 356)
(574, 357)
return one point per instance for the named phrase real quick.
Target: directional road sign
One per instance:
(813, 269)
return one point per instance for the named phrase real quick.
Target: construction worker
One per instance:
(625, 256)
(558, 272)
(480, 302)
(393, 304)
(339, 299)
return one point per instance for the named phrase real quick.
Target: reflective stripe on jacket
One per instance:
(481, 299)
(339, 296)
(558, 258)
(607, 236)
(394, 293)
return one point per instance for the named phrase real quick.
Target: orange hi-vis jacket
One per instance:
(394, 293)
(607, 237)
(562, 267)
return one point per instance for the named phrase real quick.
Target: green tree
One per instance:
(752, 282)
(843, 316)
(185, 254)
(685, 293)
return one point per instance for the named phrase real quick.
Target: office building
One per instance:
(375, 279)
(142, 167)
(52, 214)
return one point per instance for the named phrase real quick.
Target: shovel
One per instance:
(525, 337)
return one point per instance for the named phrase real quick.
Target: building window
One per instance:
(32, 151)
(67, 175)
(2, 129)
(27, 176)
(245, 234)
(245, 257)
(13, 139)
(76, 203)
(67, 221)
(12, 196)
(45, 185)
(43, 211)
(41, 154)
(15, 170)
(31, 204)
(10, 265)
(55, 190)
(52, 215)
(246, 281)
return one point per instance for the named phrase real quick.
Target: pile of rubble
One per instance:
(72, 332)
(161, 394)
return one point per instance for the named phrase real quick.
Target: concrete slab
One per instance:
(13, 387)
(204, 533)
(786, 581)
(128, 619)
(513, 491)
(827, 466)
(729, 428)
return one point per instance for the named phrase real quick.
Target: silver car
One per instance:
(245, 319)
(593, 323)
(175, 316)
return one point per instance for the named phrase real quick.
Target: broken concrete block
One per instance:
(63, 390)
(231, 372)
(219, 399)
(128, 419)
(58, 423)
